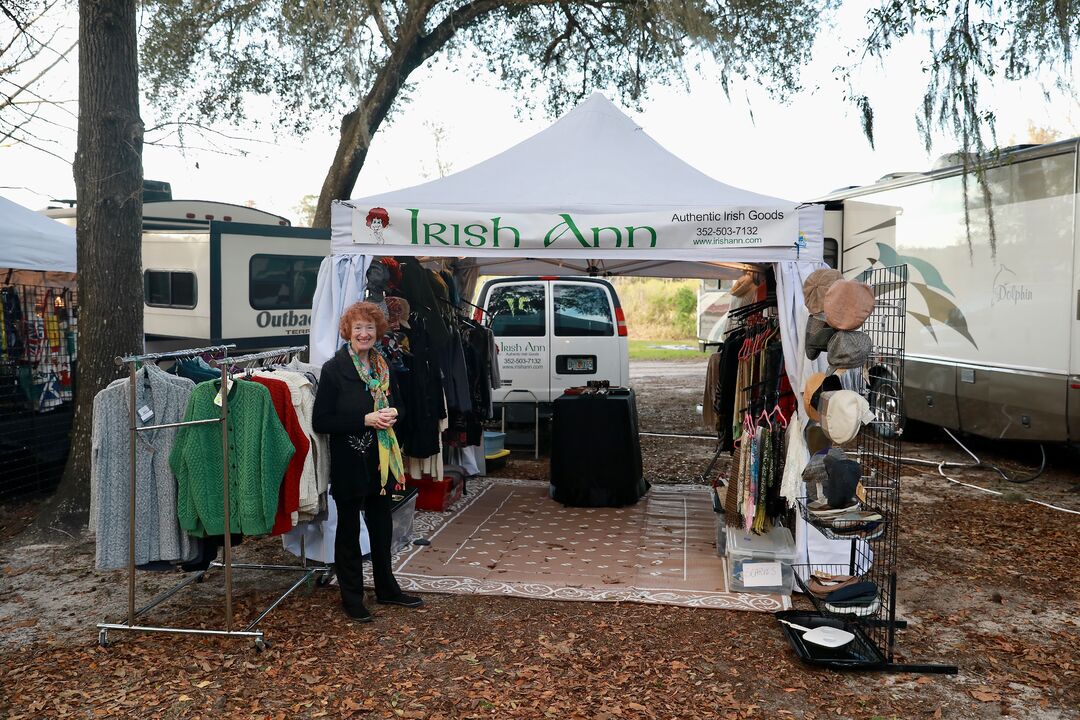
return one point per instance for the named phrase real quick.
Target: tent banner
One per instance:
(657, 233)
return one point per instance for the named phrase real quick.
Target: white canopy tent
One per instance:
(598, 167)
(592, 194)
(31, 241)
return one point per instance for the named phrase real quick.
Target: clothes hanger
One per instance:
(765, 416)
(779, 413)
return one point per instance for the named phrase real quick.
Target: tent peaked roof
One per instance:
(31, 241)
(593, 159)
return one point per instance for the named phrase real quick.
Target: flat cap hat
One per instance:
(849, 349)
(847, 304)
(843, 413)
(818, 334)
(816, 285)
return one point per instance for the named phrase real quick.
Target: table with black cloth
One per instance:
(596, 451)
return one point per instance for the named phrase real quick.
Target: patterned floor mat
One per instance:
(507, 537)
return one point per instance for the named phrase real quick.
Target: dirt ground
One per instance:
(986, 582)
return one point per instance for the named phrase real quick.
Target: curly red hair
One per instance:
(378, 213)
(362, 312)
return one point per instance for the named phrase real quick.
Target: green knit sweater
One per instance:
(259, 452)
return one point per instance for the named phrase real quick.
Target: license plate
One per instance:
(585, 364)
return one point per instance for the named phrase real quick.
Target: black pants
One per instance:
(348, 560)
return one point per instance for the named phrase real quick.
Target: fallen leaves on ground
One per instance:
(984, 584)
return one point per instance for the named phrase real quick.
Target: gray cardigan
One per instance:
(158, 536)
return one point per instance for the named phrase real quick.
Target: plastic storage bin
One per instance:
(403, 512)
(760, 563)
(721, 535)
(436, 495)
(493, 442)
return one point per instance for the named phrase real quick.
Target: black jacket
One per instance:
(341, 403)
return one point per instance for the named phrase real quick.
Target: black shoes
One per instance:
(359, 613)
(409, 601)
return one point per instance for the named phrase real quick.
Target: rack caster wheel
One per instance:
(324, 579)
(261, 645)
(103, 638)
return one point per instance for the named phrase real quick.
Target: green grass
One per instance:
(658, 307)
(646, 350)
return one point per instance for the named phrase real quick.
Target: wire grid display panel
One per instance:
(879, 442)
(878, 451)
(37, 386)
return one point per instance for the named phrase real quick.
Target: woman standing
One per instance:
(353, 405)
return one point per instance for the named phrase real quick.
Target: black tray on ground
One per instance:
(859, 654)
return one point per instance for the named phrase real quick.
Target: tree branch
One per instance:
(179, 124)
(50, 66)
(566, 34)
(32, 146)
(33, 94)
(380, 19)
(463, 16)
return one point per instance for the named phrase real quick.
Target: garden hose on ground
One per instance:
(980, 465)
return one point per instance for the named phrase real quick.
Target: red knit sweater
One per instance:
(289, 502)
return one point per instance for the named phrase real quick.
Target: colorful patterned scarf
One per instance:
(378, 383)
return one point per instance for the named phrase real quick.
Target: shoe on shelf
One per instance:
(409, 601)
(359, 613)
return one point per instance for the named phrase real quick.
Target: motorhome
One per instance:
(215, 272)
(993, 290)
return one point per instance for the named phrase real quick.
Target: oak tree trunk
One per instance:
(108, 186)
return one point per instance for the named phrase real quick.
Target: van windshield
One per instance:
(582, 310)
(517, 310)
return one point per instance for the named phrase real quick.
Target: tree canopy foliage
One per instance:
(210, 60)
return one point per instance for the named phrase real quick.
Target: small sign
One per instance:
(762, 574)
(228, 388)
(145, 413)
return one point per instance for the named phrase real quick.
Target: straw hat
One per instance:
(744, 285)
(812, 384)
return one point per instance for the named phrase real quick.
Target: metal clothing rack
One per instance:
(250, 631)
(766, 309)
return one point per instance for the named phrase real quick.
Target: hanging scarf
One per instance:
(378, 383)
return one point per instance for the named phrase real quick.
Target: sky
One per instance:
(798, 151)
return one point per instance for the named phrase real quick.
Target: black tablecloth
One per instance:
(595, 451)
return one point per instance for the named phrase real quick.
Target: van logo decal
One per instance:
(939, 307)
(288, 319)
(1007, 290)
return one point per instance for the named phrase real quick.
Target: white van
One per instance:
(554, 333)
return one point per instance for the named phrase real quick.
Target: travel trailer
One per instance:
(215, 272)
(993, 333)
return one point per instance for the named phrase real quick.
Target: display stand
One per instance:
(250, 631)
(873, 554)
(536, 420)
(736, 318)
